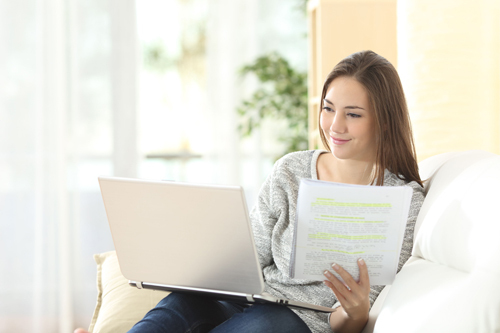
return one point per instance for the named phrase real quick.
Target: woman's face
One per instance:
(348, 122)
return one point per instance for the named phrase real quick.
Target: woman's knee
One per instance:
(180, 313)
(283, 319)
(277, 311)
(174, 300)
(267, 318)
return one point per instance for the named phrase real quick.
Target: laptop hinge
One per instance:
(250, 298)
(139, 285)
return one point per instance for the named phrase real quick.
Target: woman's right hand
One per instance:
(353, 297)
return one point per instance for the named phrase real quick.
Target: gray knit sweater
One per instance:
(273, 217)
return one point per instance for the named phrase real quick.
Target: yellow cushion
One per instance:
(119, 306)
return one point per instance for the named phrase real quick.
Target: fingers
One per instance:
(352, 295)
(346, 277)
(336, 285)
(337, 293)
(364, 278)
(349, 284)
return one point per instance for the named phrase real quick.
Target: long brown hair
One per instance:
(394, 142)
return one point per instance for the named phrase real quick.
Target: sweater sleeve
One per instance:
(263, 220)
(416, 202)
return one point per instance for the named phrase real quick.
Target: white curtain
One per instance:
(67, 115)
(231, 43)
(237, 33)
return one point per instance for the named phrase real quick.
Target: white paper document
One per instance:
(340, 223)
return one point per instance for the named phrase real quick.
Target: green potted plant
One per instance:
(281, 95)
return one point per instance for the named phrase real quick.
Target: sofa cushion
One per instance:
(450, 282)
(119, 306)
(429, 297)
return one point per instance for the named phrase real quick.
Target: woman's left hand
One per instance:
(353, 296)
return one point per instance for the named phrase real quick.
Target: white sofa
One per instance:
(451, 283)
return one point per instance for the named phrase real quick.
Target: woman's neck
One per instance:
(330, 168)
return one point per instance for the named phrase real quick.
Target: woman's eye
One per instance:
(327, 109)
(353, 115)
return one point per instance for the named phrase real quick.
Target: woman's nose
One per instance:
(338, 123)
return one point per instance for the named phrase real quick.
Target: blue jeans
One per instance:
(188, 313)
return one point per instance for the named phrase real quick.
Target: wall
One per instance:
(449, 62)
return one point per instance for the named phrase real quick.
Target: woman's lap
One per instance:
(189, 313)
(263, 318)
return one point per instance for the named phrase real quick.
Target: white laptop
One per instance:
(186, 238)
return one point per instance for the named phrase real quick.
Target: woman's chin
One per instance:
(340, 153)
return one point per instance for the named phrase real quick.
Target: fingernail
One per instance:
(327, 273)
(335, 267)
(361, 261)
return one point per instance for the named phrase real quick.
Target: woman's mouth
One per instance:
(338, 141)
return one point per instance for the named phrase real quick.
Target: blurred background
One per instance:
(207, 91)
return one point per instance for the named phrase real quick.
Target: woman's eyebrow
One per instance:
(353, 107)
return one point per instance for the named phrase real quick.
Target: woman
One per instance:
(364, 124)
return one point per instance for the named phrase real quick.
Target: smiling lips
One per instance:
(339, 141)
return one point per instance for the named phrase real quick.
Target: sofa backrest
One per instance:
(459, 223)
(451, 282)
